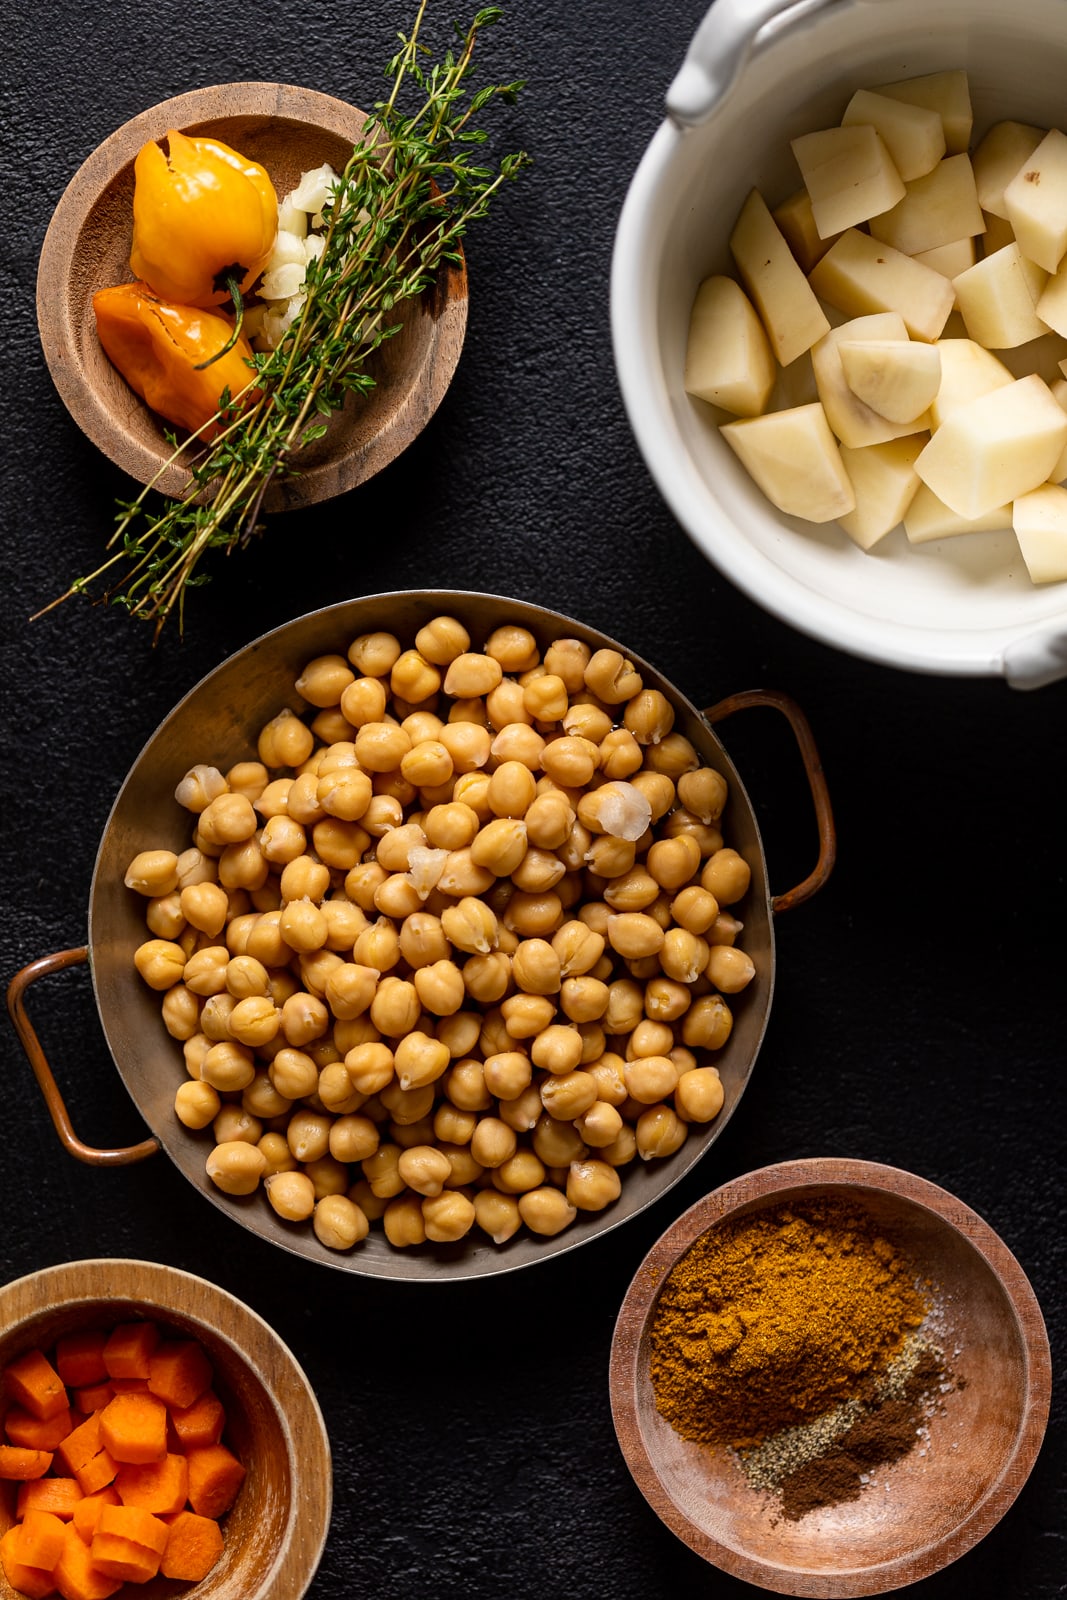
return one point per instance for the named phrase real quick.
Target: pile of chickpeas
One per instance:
(454, 950)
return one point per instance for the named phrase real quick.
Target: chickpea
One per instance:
(499, 846)
(293, 1074)
(335, 1092)
(633, 935)
(570, 761)
(514, 647)
(161, 963)
(448, 1216)
(533, 915)
(420, 1060)
(255, 1020)
(622, 1150)
(650, 1078)
(660, 1132)
(265, 943)
(695, 909)
(164, 916)
(291, 1195)
(370, 1067)
(452, 1126)
(465, 1085)
(620, 754)
(402, 1221)
(384, 813)
(261, 1099)
(592, 1184)
(708, 1023)
(512, 790)
(339, 1223)
(666, 1000)
(567, 659)
(228, 1067)
(730, 969)
(557, 1143)
(683, 955)
(277, 1154)
(229, 819)
(586, 719)
(487, 978)
(304, 1017)
(215, 1016)
(599, 1125)
(611, 677)
(545, 697)
(302, 801)
(461, 876)
(535, 967)
(626, 1006)
(200, 785)
(526, 1015)
(557, 1050)
(497, 1215)
(673, 755)
(522, 1113)
(507, 1073)
(583, 999)
(193, 1052)
(469, 744)
(611, 858)
(470, 926)
(546, 1211)
(424, 1169)
(518, 741)
(236, 1167)
(725, 929)
(330, 725)
(153, 873)
(395, 1008)
(196, 1104)
(704, 793)
(181, 1012)
(374, 653)
(549, 820)
(698, 1095)
(452, 826)
(378, 946)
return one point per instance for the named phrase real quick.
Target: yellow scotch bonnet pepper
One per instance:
(202, 215)
(159, 348)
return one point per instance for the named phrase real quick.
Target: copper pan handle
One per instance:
(824, 816)
(16, 1005)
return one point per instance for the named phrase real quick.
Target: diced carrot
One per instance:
(76, 1575)
(40, 1539)
(33, 1433)
(87, 1511)
(80, 1358)
(33, 1382)
(179, 1371)
(121, 1558)
(215, 1475)
(194, 1546)
(17, 1463)
(135, 1524)
(35, 1583)
(159, 1487)
(94, 1397)
(128, 1348)
(200, 1423)
(80, 1445)
(97, 1472)
(133, 1427)
(58, 1495)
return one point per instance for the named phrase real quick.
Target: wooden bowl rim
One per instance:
(783, 1181)
(253, 1343)
(59, 336)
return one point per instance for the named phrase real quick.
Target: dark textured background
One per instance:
(918, 1017)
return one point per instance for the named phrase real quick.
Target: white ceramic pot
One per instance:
(758, 73)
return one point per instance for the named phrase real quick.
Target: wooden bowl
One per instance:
(288, 130)
(935, 1504)
(275, 1533)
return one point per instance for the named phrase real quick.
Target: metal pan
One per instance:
(218, 721)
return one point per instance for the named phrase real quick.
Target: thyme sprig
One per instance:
(397, 215)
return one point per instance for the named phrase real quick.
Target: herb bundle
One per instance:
(397, 215)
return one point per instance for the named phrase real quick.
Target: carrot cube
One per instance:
(97, 1472)
(179, 1371)
(80, 1358)
(58, 1495)
(159, 1486)
(40, 1539)
(200, 1423)
(135, 1524)
(133, 1427)
(18, 1464)
(121, 1558)
(87, 1511)
(33, 1382)
(77, 1577)
(33, 1433)
(35, 1583)
(94, 1397)
(215, 1475)
(80, 1445)
(193, 1547)
(128, 1349)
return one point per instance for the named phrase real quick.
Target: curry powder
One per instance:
(771, 1319)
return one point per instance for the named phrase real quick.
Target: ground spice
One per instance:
(771, 1320)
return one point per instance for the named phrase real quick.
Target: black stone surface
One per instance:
(919, 1012)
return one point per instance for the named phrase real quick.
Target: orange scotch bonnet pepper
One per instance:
(158, 348)
(202, 215)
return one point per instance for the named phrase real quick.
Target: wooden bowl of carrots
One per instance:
(268, 1468)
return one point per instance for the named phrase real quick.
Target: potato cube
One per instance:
(935, 210)
(998, 297)
(913, 135)
(884, 479)
(949, 259)
(1036, 202)
(948, 94)
(728, 360)
(778, 288)
(967, 371)
(852, 419)
(1051, 307)
(794, 458)
(794, 217)
(859, 275)
(998, 158)
(849, 175)
(897, 379)
(1058, 390)
(1040, 523)
(928, 518)
(995, 448)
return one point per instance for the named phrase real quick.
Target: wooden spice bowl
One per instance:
(275, 1533)
(287, 130)
(927, 1508)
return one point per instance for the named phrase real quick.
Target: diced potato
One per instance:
(1036, 202)
(778, 288)
(967, 371)
(998, 297)
(935, 210)
(290, 217)
(794, 459)
(896, 379)
(1051, 307)
(794, 217)
(1058, 390)
(948, 94)
(288, 248)
(728, 360)
(851, 419)
(314, 189)
(949, 259)
(849, 175)
(884, 480)
(1040, 523)
(998, 233)
(995, 448)
(928, 518)
(859, 274)
(913, 135)
(998, 158)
